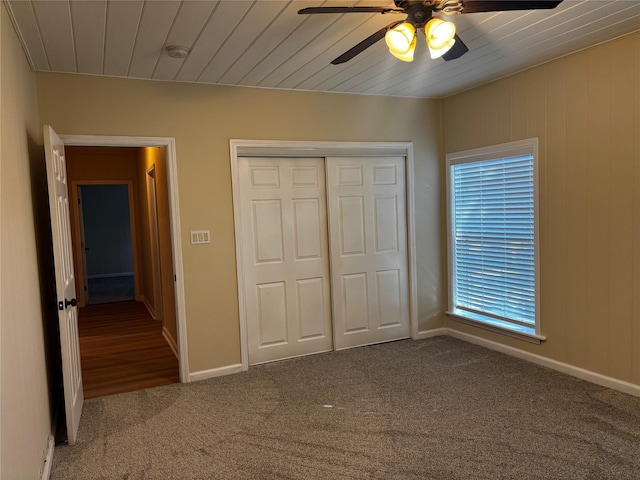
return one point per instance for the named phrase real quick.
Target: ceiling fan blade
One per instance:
(363, 45)
(458, 49)
(356, 9)
(477, 6)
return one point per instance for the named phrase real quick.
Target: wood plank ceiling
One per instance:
(265, 43)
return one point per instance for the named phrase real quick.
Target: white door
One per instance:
(369, 269)
(65, 280)
(284, 242)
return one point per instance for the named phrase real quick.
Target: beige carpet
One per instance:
(429, 409)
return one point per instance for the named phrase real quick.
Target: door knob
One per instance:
(73, 302)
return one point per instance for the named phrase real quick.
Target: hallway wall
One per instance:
(147, 157)
(107, 229)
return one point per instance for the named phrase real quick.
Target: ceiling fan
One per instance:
(440, 35)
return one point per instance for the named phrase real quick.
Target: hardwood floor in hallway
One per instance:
(122, 349)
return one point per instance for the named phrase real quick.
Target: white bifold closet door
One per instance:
(367, 204)
(291, 282)
(285, 248)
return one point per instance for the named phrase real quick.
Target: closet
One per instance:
(324, 253)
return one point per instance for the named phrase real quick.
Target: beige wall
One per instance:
(585, 109)
(202, 119)
(24, 399)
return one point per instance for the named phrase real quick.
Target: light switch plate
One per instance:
(199, 237)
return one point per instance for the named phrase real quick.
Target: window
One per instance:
(493, 254)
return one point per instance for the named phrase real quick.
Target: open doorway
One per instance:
(105, 233)
(122, 247)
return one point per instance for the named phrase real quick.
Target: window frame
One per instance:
(489, 322)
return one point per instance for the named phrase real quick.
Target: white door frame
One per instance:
(156, 268)
(174, 213)
(276, 148)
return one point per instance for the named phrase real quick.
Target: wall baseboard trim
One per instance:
(436, 332)
(110, 275)
(46, 468)
(149, 307)
(215, 372)
(172, 343)
(581, 373)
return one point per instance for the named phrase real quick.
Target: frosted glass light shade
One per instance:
(400, 38)
(407, 56)
(437, 53)
(439, 33)
(440, 36)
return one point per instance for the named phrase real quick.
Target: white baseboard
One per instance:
(215, 372)
(436, 332)
(46, 468)
(110, 275)
(581, 373)
(172, 343)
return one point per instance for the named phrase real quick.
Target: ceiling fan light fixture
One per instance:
(440, 34)
(400, 38)
(408, 55)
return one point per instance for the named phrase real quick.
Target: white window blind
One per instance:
(493, 244)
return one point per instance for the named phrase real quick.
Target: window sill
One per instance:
(497, 326)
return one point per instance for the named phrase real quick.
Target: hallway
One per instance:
(122, 349)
